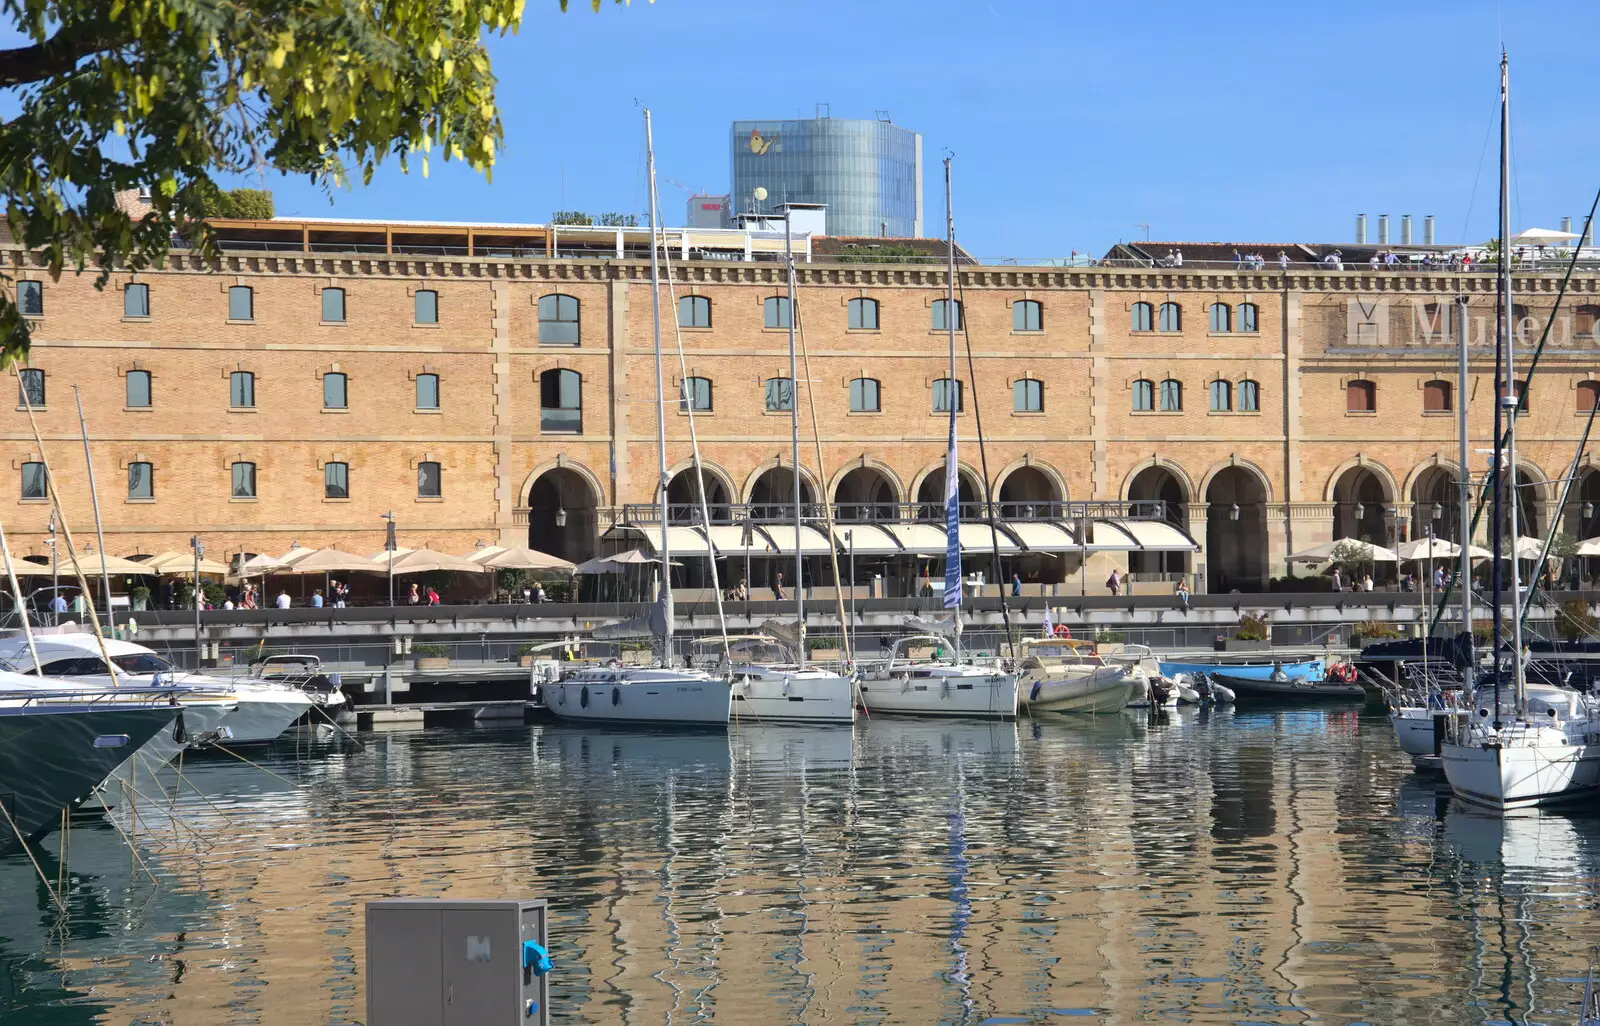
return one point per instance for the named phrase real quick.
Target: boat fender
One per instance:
(561, 699)
(180, 735)
(1033, 696)
(786, 682)
(616, 696)
(583, 697)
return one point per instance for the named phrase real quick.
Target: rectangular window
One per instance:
(336, 480)
(940, 311)
(32, 392)
(244, 480)
(1171, 396)
(1249, 397)
(335, 391)
(561, 401)
(427, 391)
(1248, 319)
(141, 481)
(697, 394)
(136, 389)
(425, 307)
(333, 305)
(30, 298)
(242, 390)
(136, 300)
(775, 312)
(944, 391)
(241, 303)
(429, 483)
(34, 482)
(1144, 396)
(864, 396)
(780, 395)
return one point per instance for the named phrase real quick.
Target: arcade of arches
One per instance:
(1244, 531)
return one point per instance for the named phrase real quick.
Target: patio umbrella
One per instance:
(617, 564)
(296, 553)
(383, 557)
(178, 564)
(1324, 552)
(1541, 237)
(519, 558)
(1427, 548)
(330, 561)
(262, 564)
(1587, 547)
(90, 563)
(421, 561)
(1529, 548)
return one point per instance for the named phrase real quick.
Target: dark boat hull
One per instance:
(50, 761)
(1247, 690)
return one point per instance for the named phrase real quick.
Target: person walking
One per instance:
(1114, 582)
(1016, 585)
(414, 596)
(1366, 583)
(742, 593)
(777, 587)
(1338, 580)
(433, 597)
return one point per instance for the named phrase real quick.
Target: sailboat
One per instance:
(665, 693)
(1536, 748)
(943, 685)
(788, 690)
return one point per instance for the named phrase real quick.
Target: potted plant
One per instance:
(826, 648)
(525, 654)
(1575, 621)
(430, 657)
(1253, 634)
(1369, 631)
(139, 598)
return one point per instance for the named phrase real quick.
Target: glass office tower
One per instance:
(869, 173)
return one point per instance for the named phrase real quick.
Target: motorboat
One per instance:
(1066, 675)
(1288, 689)
(263, 710)
(632, 694)
(1432, 691)
(937, 684)
(57, 745)
(303, 672)
(1305, 669)
(769, 684)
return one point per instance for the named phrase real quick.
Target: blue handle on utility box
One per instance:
(535, 957)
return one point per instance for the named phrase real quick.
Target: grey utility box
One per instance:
(457, 963)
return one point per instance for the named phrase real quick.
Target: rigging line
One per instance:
(1561, 505)
(132, 848)
(55, 895)
(694, 438)
(847, 631)
(1483, 154)
(983, 464)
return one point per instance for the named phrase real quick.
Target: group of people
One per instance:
(1362, 583)
(1257, 262)
(416, 596)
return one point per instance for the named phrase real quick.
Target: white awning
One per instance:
(812, 541)
(1109, 536)
(1156, 536)
(977, 539)
(686, 542)
(1043, 536)
(917, 539)
(729, 540)
(865, 540)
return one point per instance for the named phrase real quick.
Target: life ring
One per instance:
(1343, 672)
(1063, 631)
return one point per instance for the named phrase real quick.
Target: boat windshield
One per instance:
(142, 662)
(1062, 655)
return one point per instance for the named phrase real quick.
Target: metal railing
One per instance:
(847, 513)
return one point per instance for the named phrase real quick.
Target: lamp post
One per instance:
(199, 550)
(389, 546)
(55, 565)
(850, 542)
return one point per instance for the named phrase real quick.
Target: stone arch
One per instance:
(1435, 484)
(761, 488)
(563, 490)
(1360, 460)
(683, 498)
(929, 491)
(869, 463)
(1236, 550)
(1028, 482)
(1435, 461)
(1159, 487)
(1366, 502)
(1535, 495)
(1585, 492)
(1176, 470)
(866, 489)
(1236, 463)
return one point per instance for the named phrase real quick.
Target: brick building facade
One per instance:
(485, 386)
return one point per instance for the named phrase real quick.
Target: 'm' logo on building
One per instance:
(1367, 321)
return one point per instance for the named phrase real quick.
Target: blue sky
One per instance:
(1070, 122)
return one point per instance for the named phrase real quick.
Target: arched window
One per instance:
(333, 306)
(694, 312)
(34, 481)
(1170, 317)
(335, 391)
(1361, 397)
(1248, 317)
(1436, 396)
(864, 396)
(1142, 317)
(244, 480)
(241, 303)
(863, 314)
(336, 480)
(1221, 396)
(561, 402)
(427, 391)
(30, 298)
(697, 394)
(141, 481)
(939, 315)
(558, 320)
(1027, 396)
(775, 312)
(945, 392)
(1027, 315)
(241, 390)
(32, 386)
(136, 300)
(425, 307)
(430, 480)
(1588, 393)
(779, 395)
(136, 389)
(1587, 315)
(1171, 395)
(1144, 396)
(1247, 397)
(1221, 317)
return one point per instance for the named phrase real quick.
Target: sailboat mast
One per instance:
(794, 443)
(952, 400)
(1496, 463)
(1464, 493)
(1511, 397)
(661, 397)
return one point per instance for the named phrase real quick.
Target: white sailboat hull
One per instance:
(1413, 729)
(1535, 771)
(792, 696)
(971, 693)
(628, 698)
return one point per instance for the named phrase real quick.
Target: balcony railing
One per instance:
(845, 513)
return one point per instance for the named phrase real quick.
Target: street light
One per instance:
(199, 551)
(1361, 514)
(850, 543)
(1233, 512)
(389, 546)
(561, 516)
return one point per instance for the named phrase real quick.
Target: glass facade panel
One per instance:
(869, 173)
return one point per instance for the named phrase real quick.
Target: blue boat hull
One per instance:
(1308, 669)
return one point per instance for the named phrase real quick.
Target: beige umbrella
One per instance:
(23, 568)
(1428, 548)
(332, 561)
(1369, 553)
(177, 564)
(421, 561)
(91, 563)
(1587, 547)
(296, 553)
(519, 558)
(383, 557)
(262, 564)
(483, 552)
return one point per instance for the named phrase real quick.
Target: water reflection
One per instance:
(1199, 867)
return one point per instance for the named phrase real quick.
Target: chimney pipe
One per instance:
(1566, 226)
(1383, 229)
(1427, 230)
(1361, 229)
(1588, 234)
(1405, 229)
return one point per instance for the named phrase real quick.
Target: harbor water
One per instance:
(1198, 867)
